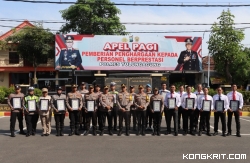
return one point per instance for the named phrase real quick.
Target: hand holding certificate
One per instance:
(90, 105)
(157, 106)
(234, 105)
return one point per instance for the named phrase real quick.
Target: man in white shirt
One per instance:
(181, 92)
(172, 111)
(235, 96)
(188, 112)
(204, 111)
(164, 92)
(198, 93)
(220, 114)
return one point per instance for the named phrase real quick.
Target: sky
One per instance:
(150, 14)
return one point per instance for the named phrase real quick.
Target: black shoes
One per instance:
(143, 133)
(216, 133)
(229, 133)
(238, 135)
(208, 134)
(192, 133)
(120, 133)
(200, 133)
(153, 134)
(22, 133)
(86, 133)
(101, 134)
(33, 134)
(176, 134)
(27, 134)
(223, 134)
(94, 133)
(61, 133)
(72, 133)
(110, 133)
(185, 133)
(12, 134)
(167, 133)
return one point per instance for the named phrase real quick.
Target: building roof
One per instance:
(205, 65)
(25, 23)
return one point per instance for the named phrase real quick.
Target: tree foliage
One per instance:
(226, 49)
(92, 18)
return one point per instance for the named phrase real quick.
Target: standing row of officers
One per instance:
(142, 108)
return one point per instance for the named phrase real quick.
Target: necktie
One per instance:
(171, 95)
(198, 92)
(188, 95)
(181, 93)
(234, 95)
(205, 97)
(219, 98)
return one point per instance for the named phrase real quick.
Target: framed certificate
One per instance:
(189, 103)
(75, 104)
(157, 106)
(91, 105)
(171, 103)
(219, 106)
(206, 105)
(234, 105)
(31, 105)
(44, 104)
(114, 95)
(16, 102)
(164, 94)
(60, 103)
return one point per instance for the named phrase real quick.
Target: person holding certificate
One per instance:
(188, 102)
(141, 102)
(156, 107)
(172, 102)
(220, 108)
(82, 117)
(199, 93)
(124, 103)
(90, 103)
(205, 105)
(149, 115)
(45, 112)
(74, 105)
(31, 112)
(58, 103)
(180, 115)
(115, 107)
(164, 92)
(133, 108)
(107, 103)
(15, 103)
(235, 99)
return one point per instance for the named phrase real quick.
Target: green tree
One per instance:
(92, 18)
(34, 44)
(225, 47)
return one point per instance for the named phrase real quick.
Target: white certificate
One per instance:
(32, 105)
(44, 104)
(91, 105)
(171, 103)
(219, 105)
(190, 103)
(16, 102)
(75, 104)
(206, 105)
(157, 106)
(60, 104)
(234, 105)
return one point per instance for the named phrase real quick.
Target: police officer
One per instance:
(235, 96)
(107, 103)
(74, 112)
(180, 114)
(69, 57)
(91, 115)
(17, 112)
(149, 115)
(198, 93)
(156, 115)
(141, 103)
(115, 107)
(59, 115)
(83, 91)
(172, 112)
(124, 103)
(133, 108)
(31, 117)
(98, 92)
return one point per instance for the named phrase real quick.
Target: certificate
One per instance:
(171, 103)
(206, 105)
(234, 105)
(16, 102)
(91, 105)
(219, 106)
(114, 95)
(157, 106)
(149, 95)
(164, 94)
(75, 104)
(44, 104)
(189, 103)
(60, 103)
(31, 105)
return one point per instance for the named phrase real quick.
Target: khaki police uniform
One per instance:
(157, 115)
(133, 111)
(45, 116)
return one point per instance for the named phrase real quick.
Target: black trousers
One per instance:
(91, 116)
(149, 117)
(124, 116)
(83, 117)
(196, 118)
(99, 117)
(74, 119)
(237, 120)
(205, 120)
(172, 113)
(141, 117)
(59, 119)
(115, 114)
(180, 115)
(133, 114)
(188, 114)
(103, 116)
(16, 115)
(222, 117)
(166, 115)
(157, 121)
(31, 122)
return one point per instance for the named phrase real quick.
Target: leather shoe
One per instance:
(101, 134)
(119, 134)
(158, 134)
(200, 133)
(216, 133)
(110, 133)
(229, 133)
(176, 134)
(12, 134)
(185, 134)
(94, 132)
(86, 133)
(224, 135)
(27, 135)
(208, 134)
(238, 135)
(22, 133)
(191, 133)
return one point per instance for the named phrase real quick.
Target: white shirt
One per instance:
(198, 94)
(181, 93)
(185, 96)
(239, 98)
(165, 90)
(174, 95)
(223, 98)
(202, 98)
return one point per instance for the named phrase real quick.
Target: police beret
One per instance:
(83, 83)
(156, 89)
(189, 41)
(31, 88)
(97, 85)
(17, 87)
(73, 85)
(59, 88)
(131, 86)
(123, 85)
(106, 87)
(91, 87)
(140, 86)
(148, 85)
(112, 83)
(69, 38)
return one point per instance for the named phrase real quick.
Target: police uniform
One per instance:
(58, 115)
(133, 109)
(74, 114)
(141, 99)
(124, 103)
(70, 56)
(82, 113)
(149, 115)
(115, 107)
(16, 113)
(156, 115)
(31, 117)
(91, 114)
(99, 107)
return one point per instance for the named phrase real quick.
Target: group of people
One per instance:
(143, 109)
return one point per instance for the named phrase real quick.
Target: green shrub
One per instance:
(2, 95)
(9, 91)
(212, 92)
(38, 92)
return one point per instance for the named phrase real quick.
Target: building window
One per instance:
(13, 58)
